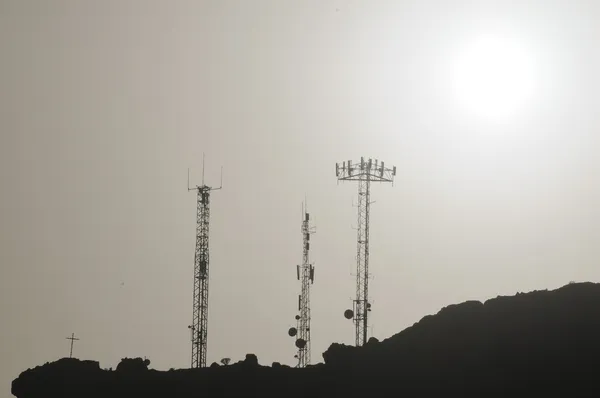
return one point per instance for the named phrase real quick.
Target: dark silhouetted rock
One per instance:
(539, 343)
(133, 365)
(251, 360)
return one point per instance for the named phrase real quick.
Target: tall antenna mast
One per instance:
(364, 173)
(306, 275)
(199, 326)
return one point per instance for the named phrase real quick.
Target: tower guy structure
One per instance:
(306, 275)
(364, 172)
(199, 326)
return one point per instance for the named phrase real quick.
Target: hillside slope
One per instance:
(538, 342)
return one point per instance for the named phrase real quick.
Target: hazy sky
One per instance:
(105, 104)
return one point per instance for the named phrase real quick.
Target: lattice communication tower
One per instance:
(199, 326)
(364, 172)
(306, 275)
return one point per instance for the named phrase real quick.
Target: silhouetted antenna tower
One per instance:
(364, 173)
(306, 275)
(199, 326)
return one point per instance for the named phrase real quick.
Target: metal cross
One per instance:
(72, 338)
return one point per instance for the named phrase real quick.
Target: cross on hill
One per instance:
(72, 338)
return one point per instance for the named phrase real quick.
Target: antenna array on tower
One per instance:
(199, 326)
(364, 172)
(306, 275)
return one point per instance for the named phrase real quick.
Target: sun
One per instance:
(494, 77)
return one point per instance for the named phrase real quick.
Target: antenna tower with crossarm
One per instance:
(306, 275)
(364, 172)
(199, 326)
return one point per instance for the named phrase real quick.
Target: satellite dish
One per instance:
(297, 317)
(292, 332)
(225, 361)
(301, 343)
(349, 314)
(368, 305)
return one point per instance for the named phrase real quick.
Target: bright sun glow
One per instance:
(494, 77)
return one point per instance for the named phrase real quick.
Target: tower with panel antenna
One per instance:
(305, 273)
(199, 326)
(364, 172)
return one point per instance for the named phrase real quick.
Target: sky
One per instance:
(105, 105)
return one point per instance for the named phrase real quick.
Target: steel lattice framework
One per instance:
(199, 326)
(201, 261)
(306, 275)
(364, 173)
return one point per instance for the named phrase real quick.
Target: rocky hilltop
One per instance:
(542, 342)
